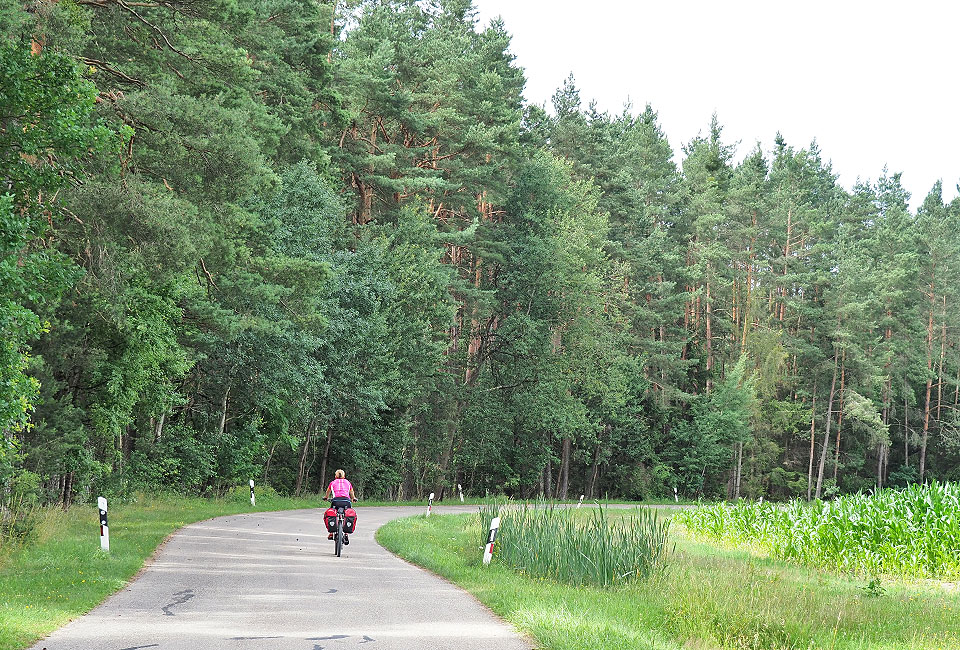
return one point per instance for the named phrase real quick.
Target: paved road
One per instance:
(270, 581)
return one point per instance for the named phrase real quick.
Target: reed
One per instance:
(591, 547)
(914, 532)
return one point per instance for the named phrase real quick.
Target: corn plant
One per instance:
(579, 548)
(910, 532)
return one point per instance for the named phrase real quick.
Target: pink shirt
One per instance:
(340, 487)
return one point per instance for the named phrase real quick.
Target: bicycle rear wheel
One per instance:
(338, 536)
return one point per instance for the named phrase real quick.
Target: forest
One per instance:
(271, 238)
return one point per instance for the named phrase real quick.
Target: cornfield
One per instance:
(913, 532)
(579, 548)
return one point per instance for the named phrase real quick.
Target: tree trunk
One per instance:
(223, 411)
(826, 436)
(548, 479)
(67, 496)
(313, 463)
(813, 419)
(303, 459)
(886, 464)
(366, 212)
(943, 352)
(736, 482)
(746, 302)
(836, 456)
(926, 407)
(447, 455)
(906, 428)
(159, 431)
(326, 456)
(880, 453)
(593, 472)
(786, 259)
(564, 478)
(128, 443)
(885, 417)
(956, 391)
(266, 469)
(747, 306)
(709, 319)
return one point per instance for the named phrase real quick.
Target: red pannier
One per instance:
(330, 519)
(350, 520)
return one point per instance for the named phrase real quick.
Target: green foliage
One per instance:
(719, 419)
(300, 235)
(45, 107)
(874, 588)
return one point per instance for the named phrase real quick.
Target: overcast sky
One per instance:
(874, 82)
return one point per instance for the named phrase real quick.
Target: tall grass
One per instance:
(19, 519)
(579, 548)
(913, 532)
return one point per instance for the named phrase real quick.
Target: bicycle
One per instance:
(338, 531)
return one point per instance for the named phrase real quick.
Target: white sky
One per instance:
(875, 82)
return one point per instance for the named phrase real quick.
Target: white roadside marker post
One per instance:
(253, 497)
(104, 529)
(488, 549)
(430, 504)
(460, 490)
(676, 497)
(581, 502)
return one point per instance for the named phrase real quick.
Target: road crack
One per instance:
(181, 598)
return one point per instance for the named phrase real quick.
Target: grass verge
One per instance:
(707, 599)
(61, 573)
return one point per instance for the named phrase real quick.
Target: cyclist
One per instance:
(341, 491)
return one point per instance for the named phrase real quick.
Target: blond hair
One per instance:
(339, 474)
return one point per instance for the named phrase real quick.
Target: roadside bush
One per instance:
(241, 493)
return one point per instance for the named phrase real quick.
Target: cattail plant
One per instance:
(544, 541)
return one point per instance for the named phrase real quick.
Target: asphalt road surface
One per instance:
(270, 581)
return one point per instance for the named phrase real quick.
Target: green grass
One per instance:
(60, 573)
(913, 532)
(706, 599)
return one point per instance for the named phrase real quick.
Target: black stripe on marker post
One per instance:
(104, 527)
(491, 539)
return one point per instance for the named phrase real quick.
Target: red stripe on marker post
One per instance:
(491, 539)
